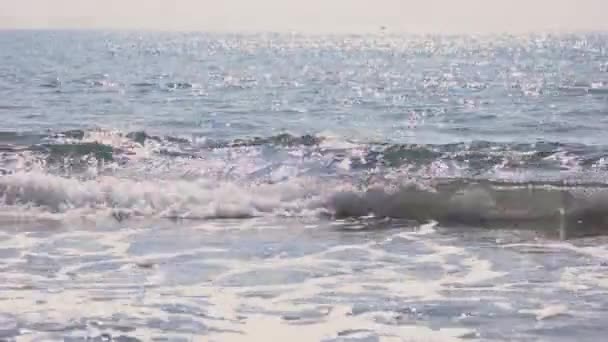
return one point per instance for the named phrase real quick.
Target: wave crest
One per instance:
(165, 198)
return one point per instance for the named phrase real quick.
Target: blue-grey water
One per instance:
(207, 187)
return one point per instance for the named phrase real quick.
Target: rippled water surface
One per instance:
(178, 187)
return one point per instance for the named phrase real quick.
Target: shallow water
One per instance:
(186, 187)
(235, 281)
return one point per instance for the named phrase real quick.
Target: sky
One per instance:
(317, 16)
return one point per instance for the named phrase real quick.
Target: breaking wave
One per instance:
(200, 199)
(141, 175)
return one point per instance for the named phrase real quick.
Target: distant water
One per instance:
(177, 187)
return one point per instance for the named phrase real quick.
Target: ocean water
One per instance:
(207, 187)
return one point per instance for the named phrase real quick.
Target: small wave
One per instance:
(141, 137)
(52, 83)
(573, 90)
(62, 151)
(20, 138)
(284, 139)
(598, 91)
(584, 89)
(71, 134)
(179, 85)
(13, 107)
(144, 84)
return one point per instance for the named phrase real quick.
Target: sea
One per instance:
(193, 186)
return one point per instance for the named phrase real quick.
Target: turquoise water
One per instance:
(190, 186)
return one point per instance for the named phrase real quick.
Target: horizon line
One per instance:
(381, 30)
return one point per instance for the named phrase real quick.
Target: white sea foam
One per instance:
(168, 198)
